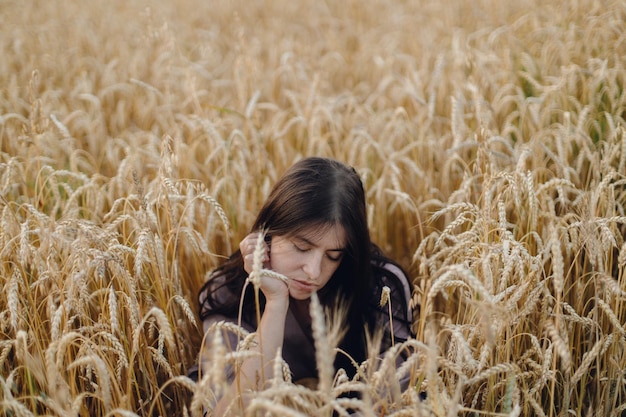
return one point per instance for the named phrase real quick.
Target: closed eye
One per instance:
(301, 248)
(301, 244)
(335, 258)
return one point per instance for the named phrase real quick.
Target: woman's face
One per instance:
(308, 258)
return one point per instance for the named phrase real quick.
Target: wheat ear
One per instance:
(324, 354)
(386, 299)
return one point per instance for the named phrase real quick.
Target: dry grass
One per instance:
(138, 139)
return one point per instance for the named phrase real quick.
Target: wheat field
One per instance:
(139, 138)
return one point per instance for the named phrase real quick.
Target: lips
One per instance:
(303, 285)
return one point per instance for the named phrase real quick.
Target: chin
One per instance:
(298, 295)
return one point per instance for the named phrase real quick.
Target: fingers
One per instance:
(247, 247)
(273, 289)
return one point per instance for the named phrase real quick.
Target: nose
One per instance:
(313, 266)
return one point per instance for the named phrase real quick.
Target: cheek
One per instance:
(281, 259)
(329, 268)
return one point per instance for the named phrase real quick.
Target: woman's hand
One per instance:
(247, 247)
(273, 289)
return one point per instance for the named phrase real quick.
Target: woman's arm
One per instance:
(258, 368)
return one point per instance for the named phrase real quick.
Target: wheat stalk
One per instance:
(324, 355)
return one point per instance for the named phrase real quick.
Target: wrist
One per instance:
(276, 305)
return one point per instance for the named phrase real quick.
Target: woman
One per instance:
(316, 235)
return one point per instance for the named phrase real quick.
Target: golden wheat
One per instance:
(137, 143)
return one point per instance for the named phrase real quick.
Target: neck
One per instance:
(300, 304)
(300, 310)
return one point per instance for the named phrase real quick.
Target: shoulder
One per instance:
(391, 275)
(218, 295)
(395, 270)
(214, 285)
(386, 270)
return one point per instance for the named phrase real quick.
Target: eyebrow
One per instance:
(308, 242)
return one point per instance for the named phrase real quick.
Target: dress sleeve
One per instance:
(216, 325)
(214, 359)
(402, 310)
(230, 334)
(399, 303)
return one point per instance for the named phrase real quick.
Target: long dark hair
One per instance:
(317, 192)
